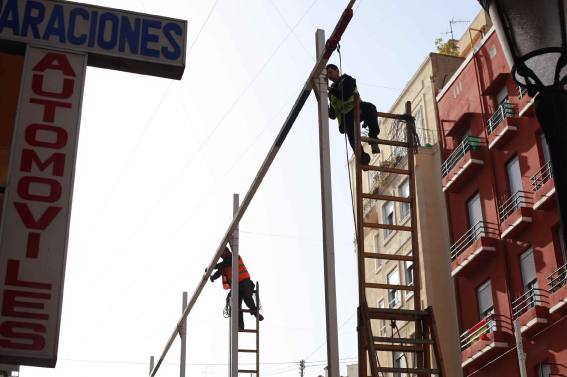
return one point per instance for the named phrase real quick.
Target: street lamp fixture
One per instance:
(534, 38)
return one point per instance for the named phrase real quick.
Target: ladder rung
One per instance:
(392, 116)
(407, 258)
(248, 351)
(396, 348)
(245, 310)
(383, 339)
(393, 143)
(397, 314)
(390, 286)
(386, 198)
(387, 226)
(247, 371)
(247, 330)
(385, 169)
(409, 371)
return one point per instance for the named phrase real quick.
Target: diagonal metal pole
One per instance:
(327, 218)
(330, 47)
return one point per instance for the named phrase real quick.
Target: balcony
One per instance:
(515, 213)
(531, 310)
(502, 125)
(474, 246)
(485, 340)
(557, 283)
(543, 187)
(463, 163)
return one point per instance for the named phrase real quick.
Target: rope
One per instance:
(346, 152)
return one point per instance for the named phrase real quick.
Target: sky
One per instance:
(158, 163)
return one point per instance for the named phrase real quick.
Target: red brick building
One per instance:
(508, 258)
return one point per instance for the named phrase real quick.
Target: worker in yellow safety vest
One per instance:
(341, 96)
(245, 285)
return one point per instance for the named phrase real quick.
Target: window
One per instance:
(383, 325)
(514, 176)
(474, 210)
(400, 362)
(544, 149)
(501, 96)
(484, 297)
(544, 370)
(377, 262)
(527, 266)
(394, 294)
(388, 217)
(409, 272)
(404, 191)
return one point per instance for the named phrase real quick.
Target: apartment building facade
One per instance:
(432, 228)
(507, 255)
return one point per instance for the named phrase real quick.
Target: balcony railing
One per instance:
(518, 200)
(532, 297)
(557, 279)
(478, 331)
(469, 143)
(542, 176)
(505, 110)
(480, 229)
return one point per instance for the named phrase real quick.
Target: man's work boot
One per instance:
(365, 158)
(375, 148)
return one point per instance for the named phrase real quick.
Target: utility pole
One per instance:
(301, 367)
(320, 88)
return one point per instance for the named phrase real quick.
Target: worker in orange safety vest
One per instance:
(245, 285)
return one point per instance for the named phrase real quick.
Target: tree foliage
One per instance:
(447, 48)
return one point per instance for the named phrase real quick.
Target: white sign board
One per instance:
(112, 38)
(37, 206)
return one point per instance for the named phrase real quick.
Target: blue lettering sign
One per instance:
(147, 37)
(108, 24)
(56, 24)
(71, 35)
(9, 17)
(33, 19)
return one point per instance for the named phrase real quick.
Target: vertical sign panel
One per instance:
(37, 206)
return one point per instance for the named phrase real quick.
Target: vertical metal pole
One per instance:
(520, 349)
(327, 212)
(258, 330)
(235, 310)
(151, 364)
(183, 336)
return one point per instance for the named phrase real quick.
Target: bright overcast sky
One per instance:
(158, 163)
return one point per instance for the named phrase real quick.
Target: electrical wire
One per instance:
(225, 115)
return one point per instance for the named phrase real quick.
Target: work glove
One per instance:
(211, 279)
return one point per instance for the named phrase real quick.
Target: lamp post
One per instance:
(534, 38)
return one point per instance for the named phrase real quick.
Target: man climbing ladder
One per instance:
(245, 285)
(341, 95)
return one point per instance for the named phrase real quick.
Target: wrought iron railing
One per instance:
(532, 297)
(480, 229)
(518, 200)
(479, 331)
(542, 176)
(557, 279)
(505, 110)
(469, 143)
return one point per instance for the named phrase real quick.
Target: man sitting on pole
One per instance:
(341, 95)
(245, 285)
